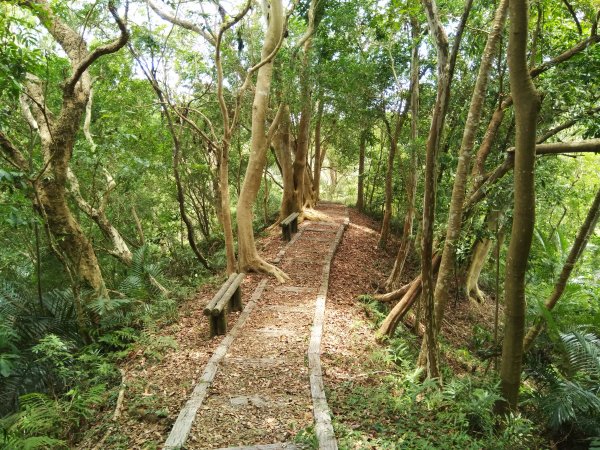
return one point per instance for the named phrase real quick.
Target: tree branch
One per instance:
(102, 50)
(12, 154)
(587, 146)
(171, 16)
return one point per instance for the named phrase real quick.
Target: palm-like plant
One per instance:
(570, 393)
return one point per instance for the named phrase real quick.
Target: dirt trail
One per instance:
(261, 392)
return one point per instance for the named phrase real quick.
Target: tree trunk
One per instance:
(57, 136)
(479, 256)
(455, 214)
(224, 203)
(527, 104)
(389, 175)
(429, 358)
(360, 196)
(387, 208)
(301, 153)
(411, 295)
(377, 168)
(583, 236)
(249, 259)
(317, 163)
(393, 280)
(281, 144)
(74, 245)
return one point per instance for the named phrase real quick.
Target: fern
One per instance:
(570, 389)
(583, 351)
(143, 277)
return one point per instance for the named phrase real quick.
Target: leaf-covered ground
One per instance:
(159, 379)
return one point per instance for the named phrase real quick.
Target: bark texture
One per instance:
(393, 280)
(360, 192)
(429, 351)
(479, 256)
(394, 135)
(455, 214)
(282, 146)
(249, 260)
(527, 104)
(57, 137)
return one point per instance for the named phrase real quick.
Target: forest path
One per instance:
(263, 383)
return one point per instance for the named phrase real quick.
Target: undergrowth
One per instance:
(395, 409)
(54, 381)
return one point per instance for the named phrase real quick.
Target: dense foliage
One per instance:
(148, 143)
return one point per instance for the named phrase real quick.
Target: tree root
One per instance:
(314, 215)
(476, 295)
(391, 322)
(412, 294)
(394, 295)
(259, 265)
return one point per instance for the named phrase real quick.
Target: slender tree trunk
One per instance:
(479, 256)
(248, 256)
(387, 208)
(429, 350)
(394, 279)
(583, 236)
(301, 153)
(455, 214)
(317, 163)
(360, 196)
(377, 168)
(282, 146)
(389, 175)
(224, 202)
(189, 226)
(527, 104)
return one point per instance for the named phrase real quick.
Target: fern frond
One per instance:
(583, 352)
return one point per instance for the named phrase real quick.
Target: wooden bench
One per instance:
(289, 225)
(229, 295)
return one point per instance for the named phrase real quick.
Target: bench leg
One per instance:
(235, 304)
(287, 235)
(213, 326)
(295, 225)
(221, 322)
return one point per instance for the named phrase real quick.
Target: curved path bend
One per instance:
(263, 383)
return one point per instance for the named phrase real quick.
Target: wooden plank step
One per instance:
(295, 289)
(243, 360)
(320, 230)
(275, 332)
(316, 239)
(279, 446)
(306, 261)
(324, 224)
(290, 309)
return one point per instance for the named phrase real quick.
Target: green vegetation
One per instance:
(142, 154)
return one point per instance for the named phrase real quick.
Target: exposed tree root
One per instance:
(394, 295)
(389, 325)
(314, 215)
(259, 265)
(410, 321)
(476, 295)
(391, 322)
